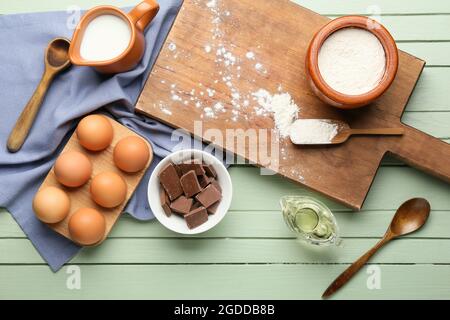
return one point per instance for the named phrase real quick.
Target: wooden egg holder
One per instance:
(101, 161)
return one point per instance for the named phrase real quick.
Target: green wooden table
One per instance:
(251, 254)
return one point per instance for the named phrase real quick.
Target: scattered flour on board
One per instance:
(313, 131)
(166, 111)
(281, 106)
(211, 4)
(229, 65)
(172, 46)
(250, 55)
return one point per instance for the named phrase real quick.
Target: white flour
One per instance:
(352, 61)
(312, 131)
(282, 107)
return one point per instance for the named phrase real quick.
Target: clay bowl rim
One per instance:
(390, 49)
(74, 49)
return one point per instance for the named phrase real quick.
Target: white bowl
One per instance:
(175, 222)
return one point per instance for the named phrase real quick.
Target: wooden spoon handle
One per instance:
(379, 131)
(355, 267)
(26, 118)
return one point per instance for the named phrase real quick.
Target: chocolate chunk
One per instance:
(178, 169)
(213, 208)
(196, 205)
(196, 217)
(209, 196)
(190, 184)
(216, 184)
(168, 178)
(197, 167)
(182, 205)
(165, 202)
(210, 171)
(204, 180)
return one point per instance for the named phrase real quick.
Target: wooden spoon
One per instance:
(56, 60)
(344, 132)
(410, 217)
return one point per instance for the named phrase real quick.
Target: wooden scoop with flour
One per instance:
(326, 132)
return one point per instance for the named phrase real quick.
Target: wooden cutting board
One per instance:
(101, 162)
(267, 41)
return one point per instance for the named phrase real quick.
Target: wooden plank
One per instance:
(404, 28)
(263, 224)
(391, 187)
(221, 282)
(434, 53)
(325, 7)
(367, 7)
(418, 28)
(206, 251)
(430, 93)
(433, 123)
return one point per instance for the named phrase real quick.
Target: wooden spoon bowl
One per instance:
(57, 54)
(410, 217)
(56, 60)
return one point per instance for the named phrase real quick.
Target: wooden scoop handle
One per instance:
(379, 131)
(26, 118)
(424, 152)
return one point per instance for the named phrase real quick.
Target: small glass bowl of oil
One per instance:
(313, 221)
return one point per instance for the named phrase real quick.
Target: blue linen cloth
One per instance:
(76, 92)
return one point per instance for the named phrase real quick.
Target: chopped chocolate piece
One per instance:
(210, 171)
(182, 205)
(196, 217)
(196, 205)
(178, 169)
(165, 202)
(197, 167)
(190, 184)
(213, 208)
(216, 184)
(204, 180)
(209, 196)
(168, 178)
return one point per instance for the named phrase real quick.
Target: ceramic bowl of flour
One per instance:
(351, 62)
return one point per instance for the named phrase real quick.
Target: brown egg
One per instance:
(95, 132)
(87, 226)
(51, 205)
(108, 189)
(131, 154)
(73, 169)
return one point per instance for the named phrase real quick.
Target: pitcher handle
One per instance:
(143, 13)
